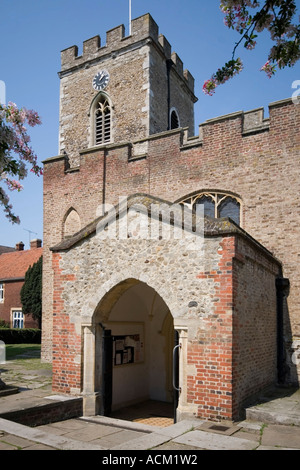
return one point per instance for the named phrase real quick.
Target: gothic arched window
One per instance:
(174, 119)
(72, 223)
(208, 204)
(229, 207)
(216, 205)
(102, 121)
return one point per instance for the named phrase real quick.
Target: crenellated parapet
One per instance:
(253, 121)
(250, 123)
(143, 28)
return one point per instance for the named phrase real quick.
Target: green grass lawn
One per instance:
(23, 360)
(14, 350)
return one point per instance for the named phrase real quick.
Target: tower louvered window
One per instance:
(102, 122)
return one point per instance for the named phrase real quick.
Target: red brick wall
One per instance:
(12, 301)
(235, 353)
(260, 167)
(254, 321)
(66, 343)
(212, 386)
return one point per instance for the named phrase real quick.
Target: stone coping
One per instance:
(212, 227)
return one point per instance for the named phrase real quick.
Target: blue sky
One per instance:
(35, 31)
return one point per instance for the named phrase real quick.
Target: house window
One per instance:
(18, 319)
(1, 292)
(216, 205)
(102, 121)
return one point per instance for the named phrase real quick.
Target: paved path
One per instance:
(107, 434)
(273, 425)
(101, 433)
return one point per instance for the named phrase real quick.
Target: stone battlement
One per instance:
(142, 29)
(252, 121)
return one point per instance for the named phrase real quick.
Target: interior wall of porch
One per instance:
(140, 310)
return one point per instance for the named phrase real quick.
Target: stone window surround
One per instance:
(174, 110)
(91, 114)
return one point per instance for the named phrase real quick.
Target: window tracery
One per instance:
(216, 205)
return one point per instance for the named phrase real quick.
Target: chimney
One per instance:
(20, 246)
(37, 243)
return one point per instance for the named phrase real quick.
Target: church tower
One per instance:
(115, 99)
(128, 89)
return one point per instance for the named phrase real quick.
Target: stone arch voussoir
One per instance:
(100, 300)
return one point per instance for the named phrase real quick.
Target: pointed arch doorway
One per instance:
(134, 341)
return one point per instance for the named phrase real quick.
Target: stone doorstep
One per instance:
(158, 436)
(119, 423)
(37, 409)
(273, 417)
(9, 390)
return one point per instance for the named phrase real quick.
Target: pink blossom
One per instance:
(32, 117)
(15, 140)
(13, 184)
(251, 45)
(209, 86)
(269, 69)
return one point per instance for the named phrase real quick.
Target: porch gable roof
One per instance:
(211, 227)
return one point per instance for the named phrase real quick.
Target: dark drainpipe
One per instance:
(169, 67)
(282, 291)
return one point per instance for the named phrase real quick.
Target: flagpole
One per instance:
(129, 17)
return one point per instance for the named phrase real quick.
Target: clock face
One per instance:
(101, 80)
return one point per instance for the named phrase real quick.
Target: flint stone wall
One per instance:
(164, 265)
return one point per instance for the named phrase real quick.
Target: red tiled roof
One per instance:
(14, 265)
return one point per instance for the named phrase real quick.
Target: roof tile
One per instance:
(15, 264)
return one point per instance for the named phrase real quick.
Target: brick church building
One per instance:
(115, 297)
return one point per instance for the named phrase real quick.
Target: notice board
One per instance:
(128, 348)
